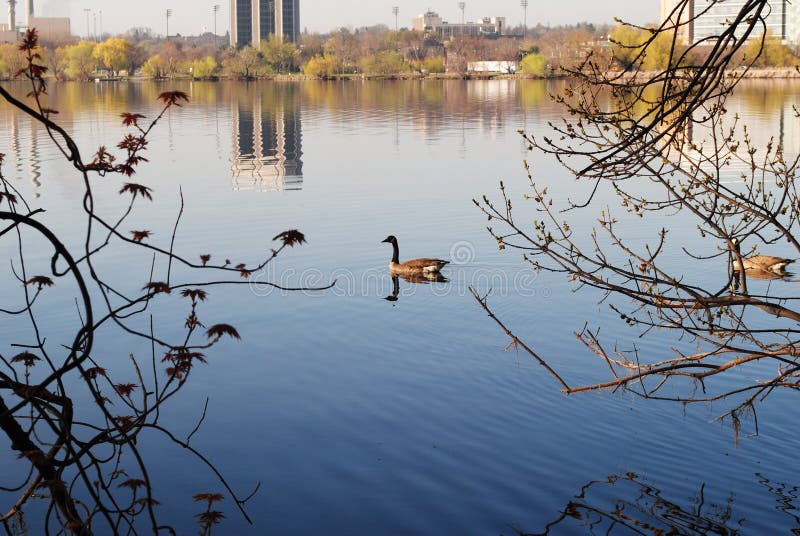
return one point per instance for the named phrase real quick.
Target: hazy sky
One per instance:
(193, 16)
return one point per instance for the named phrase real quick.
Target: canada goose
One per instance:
(759, 266)
(763, 263)
(414, 266)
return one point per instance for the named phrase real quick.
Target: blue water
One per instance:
(360, 415)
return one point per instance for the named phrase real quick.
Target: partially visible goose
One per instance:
(763, 263)
(413, 266)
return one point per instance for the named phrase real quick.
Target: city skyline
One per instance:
(189, 18)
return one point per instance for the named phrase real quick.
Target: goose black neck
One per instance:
(395, 252)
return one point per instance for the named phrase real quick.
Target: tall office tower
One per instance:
(253, 21)
(702, 19)
(713, 16)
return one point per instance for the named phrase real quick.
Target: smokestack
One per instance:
(28, 12)
(12, 23)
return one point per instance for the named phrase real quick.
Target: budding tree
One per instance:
(662, 144)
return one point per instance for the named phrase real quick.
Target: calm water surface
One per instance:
(360, 415)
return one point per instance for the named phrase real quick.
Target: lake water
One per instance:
(360, 415)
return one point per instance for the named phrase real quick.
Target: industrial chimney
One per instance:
(12, 22)
(28, 12)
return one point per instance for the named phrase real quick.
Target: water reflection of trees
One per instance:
(268, 154)
(628, 504)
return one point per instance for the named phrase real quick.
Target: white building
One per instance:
(430, 22)
(492, 67)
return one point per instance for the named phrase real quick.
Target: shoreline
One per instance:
(770, 73)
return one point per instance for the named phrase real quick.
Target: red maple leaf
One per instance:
(137, 189)
(157, 287)
(125, 389)
(129, 119)
(27, 358)
(218, 330)
(195, 294)
(173, 97)
(291, 237)
(138, 236)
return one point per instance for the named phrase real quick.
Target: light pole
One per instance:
(461, 6)
(216, 10)
(88, 28)
(169, 14)
(94, 18)
(524, 4)
(101, 24)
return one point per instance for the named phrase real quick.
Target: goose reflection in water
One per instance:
(414, 279)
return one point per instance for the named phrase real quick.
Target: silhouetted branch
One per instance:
(85, 462)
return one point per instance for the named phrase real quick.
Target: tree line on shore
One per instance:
(371, 51)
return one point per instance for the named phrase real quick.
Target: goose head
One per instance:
(390, 239)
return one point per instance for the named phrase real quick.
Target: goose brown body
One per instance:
(763, 263)
(424, 265)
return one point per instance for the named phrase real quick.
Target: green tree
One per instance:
(172, 55)
(627, 43)
(11, 60)
(344, 45)
(154, 67)
(281, 56)
(113, 54)
(80, 60)
(246, 62)
(204, 68)
(323, 66)
(384, 64)
(311, 44)
(56, 61)
(434, 64)
(137, 56)
(767, 51)
(534, 64)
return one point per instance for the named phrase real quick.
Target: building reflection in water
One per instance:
(26, 157)
(267, 136)
(766, 109)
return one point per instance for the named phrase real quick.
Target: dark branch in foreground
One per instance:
(82, 465)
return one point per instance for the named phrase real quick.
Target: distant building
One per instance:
(51, 28)
(6, 35)
(708, 18)
(493, 67)
(431, 23)
(668, 11)
(253, 21)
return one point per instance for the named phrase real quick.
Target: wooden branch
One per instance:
(515, 340)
